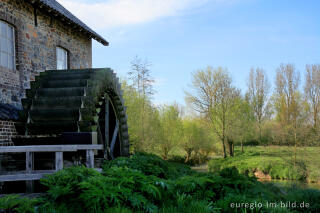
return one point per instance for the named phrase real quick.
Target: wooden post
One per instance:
(29, 169)
(59, 161)
(90, 158)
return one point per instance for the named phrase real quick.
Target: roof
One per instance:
(8, 112)
(57, 9)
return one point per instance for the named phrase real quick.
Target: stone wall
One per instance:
(36, 47)
(7, 130)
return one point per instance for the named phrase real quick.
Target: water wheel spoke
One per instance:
(106, 133)
(114, 138)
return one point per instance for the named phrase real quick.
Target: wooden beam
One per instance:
(59, 161)
(90, 158)
(50, 148)
(21, 176)
(29, 162)
(29, 169)
(40, 148)
(90, 146)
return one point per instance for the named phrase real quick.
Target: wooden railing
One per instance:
(30, 174)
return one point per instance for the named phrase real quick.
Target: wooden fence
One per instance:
(30, 174)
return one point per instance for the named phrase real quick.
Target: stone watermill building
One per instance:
(49, 92)
(37, 35)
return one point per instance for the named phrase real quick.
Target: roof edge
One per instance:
(56, 9)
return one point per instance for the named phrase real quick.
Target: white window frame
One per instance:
(7, 46)
(62, 58)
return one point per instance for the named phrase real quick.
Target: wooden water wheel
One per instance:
(65, 106)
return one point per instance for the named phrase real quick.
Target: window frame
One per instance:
(8, 39)
(66, 54)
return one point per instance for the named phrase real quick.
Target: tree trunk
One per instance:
(295, 149)
(233, 149)
(224, 149)
(230, 146)
(165, 153)
(260, 134)
(189, 151)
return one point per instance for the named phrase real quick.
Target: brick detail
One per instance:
(7, 131)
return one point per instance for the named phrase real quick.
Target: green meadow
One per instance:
(276, 161)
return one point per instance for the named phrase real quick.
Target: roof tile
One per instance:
(56, 7)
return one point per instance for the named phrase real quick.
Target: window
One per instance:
(7, 49)
(62, 59)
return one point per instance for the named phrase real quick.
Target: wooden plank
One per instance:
(29, 169)
(114, 138)
(94, 138)
(59, 161)
(20, 176)
(89, 146)
(90, 158)
(50, 148)
(40, 148)
(26, 195)
(29, 162)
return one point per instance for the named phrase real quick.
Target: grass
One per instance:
(277, 161)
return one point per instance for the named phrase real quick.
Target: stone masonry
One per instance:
(37, 34)
(39, 30)
(7, 130)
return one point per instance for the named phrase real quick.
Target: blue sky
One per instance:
(180, 36)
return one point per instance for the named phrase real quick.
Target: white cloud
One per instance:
(159, 81)
(113, 13)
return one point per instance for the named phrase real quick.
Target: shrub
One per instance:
(79, 189)
(146, 183)
(310, 196)
(121, 187)
(15, 203)
(188, 204)
(64, 186)
(149, 164)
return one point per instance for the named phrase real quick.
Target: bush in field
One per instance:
(149, 164)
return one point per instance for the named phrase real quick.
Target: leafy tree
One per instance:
(288, 102)
(312, 92)
(257, 94)
(215, 97)
(194, 136)
(142, 131)
(142, 82)
(243, 123)
(169, 131)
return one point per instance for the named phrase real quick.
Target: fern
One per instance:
(15, 203)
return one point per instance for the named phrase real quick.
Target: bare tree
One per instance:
(140, 76)
(258, 90)
(214, 96)
(312, 91)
